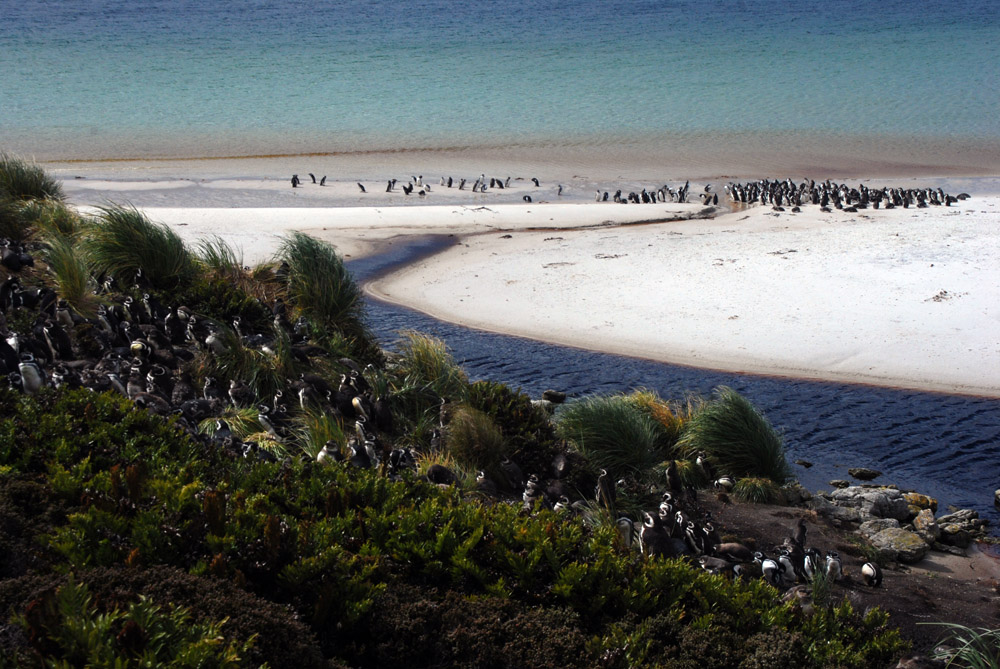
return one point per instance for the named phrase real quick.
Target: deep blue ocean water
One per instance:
(191, 78)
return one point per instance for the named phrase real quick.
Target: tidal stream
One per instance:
(946, 446)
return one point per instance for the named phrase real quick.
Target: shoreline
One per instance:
(565, 258)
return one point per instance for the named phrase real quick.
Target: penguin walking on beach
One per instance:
(362, 187)
(527, 198)
(322, 182)
(295, 181)
(313, 177)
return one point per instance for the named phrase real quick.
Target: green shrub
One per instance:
(123, 242)
(737, 439)
(66, 627)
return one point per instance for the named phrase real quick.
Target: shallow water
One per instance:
(942, 445)
(632, 81)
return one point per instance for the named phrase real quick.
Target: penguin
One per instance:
(313, 176)
(513, 473)
(812, 564)
(626, 529)
(362, 187)
(484, 485)
(388, 187)
(871, 574)
(441, 475)
(559, 192)
(562, 505)
(295, 181)
(834, 566)
(527, 198)
(32, 376)
(322, 182)
(771, 570)
(604, 492)
(534, 181)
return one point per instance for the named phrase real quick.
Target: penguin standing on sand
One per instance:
(295, 181)
(313, 177)
(322, 182)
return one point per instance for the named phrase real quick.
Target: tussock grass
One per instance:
(663, 412)
(975, 648)
(320, 285)
(241, 420)
(425, 363)
(312, 429)
(265, 373)
(72, 276)
(123, 241)
(736, 438)
(756, 490)
(21, 180)
(614, 433)
(474, 440)
(52, 218)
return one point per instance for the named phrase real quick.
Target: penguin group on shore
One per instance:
(786, 193)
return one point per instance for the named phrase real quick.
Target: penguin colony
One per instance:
(780, 194)
(139, 347)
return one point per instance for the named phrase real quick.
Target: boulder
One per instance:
(870, 528)
(839, 483)
(878, 502)
(795, 493)
(825, 507)
(920, 501)
(926, 526)
(953, 534)
(863, 473)
(899, 544)
(996, 496)
(554, 396)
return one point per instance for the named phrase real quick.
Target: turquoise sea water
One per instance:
(189, 78)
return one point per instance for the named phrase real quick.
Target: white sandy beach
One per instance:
(908, 297)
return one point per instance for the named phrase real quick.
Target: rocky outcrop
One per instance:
(876, 502)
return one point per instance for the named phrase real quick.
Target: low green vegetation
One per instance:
(968, 648)
(225, 530)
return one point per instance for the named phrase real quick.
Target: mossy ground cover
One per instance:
(346, 550)
(265, 556)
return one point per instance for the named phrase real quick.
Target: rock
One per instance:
(996, 496)
(554, 396)
(961, 527)
(953, 550)
(870, 528)
(953, 534)
(900, 544)
(863, 473)
(839, 483)
(920, 501)
(825, 507)
(878, 502)
(807, 465)
(926, 526)
(795, 493)
(544, 405)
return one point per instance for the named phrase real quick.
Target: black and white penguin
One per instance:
(322, 182)
(313, 176)
(362, 187)
(871, 574)
(527, 198)
(441, 475)
(534, 181)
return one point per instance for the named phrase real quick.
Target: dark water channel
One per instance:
(946, 446)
